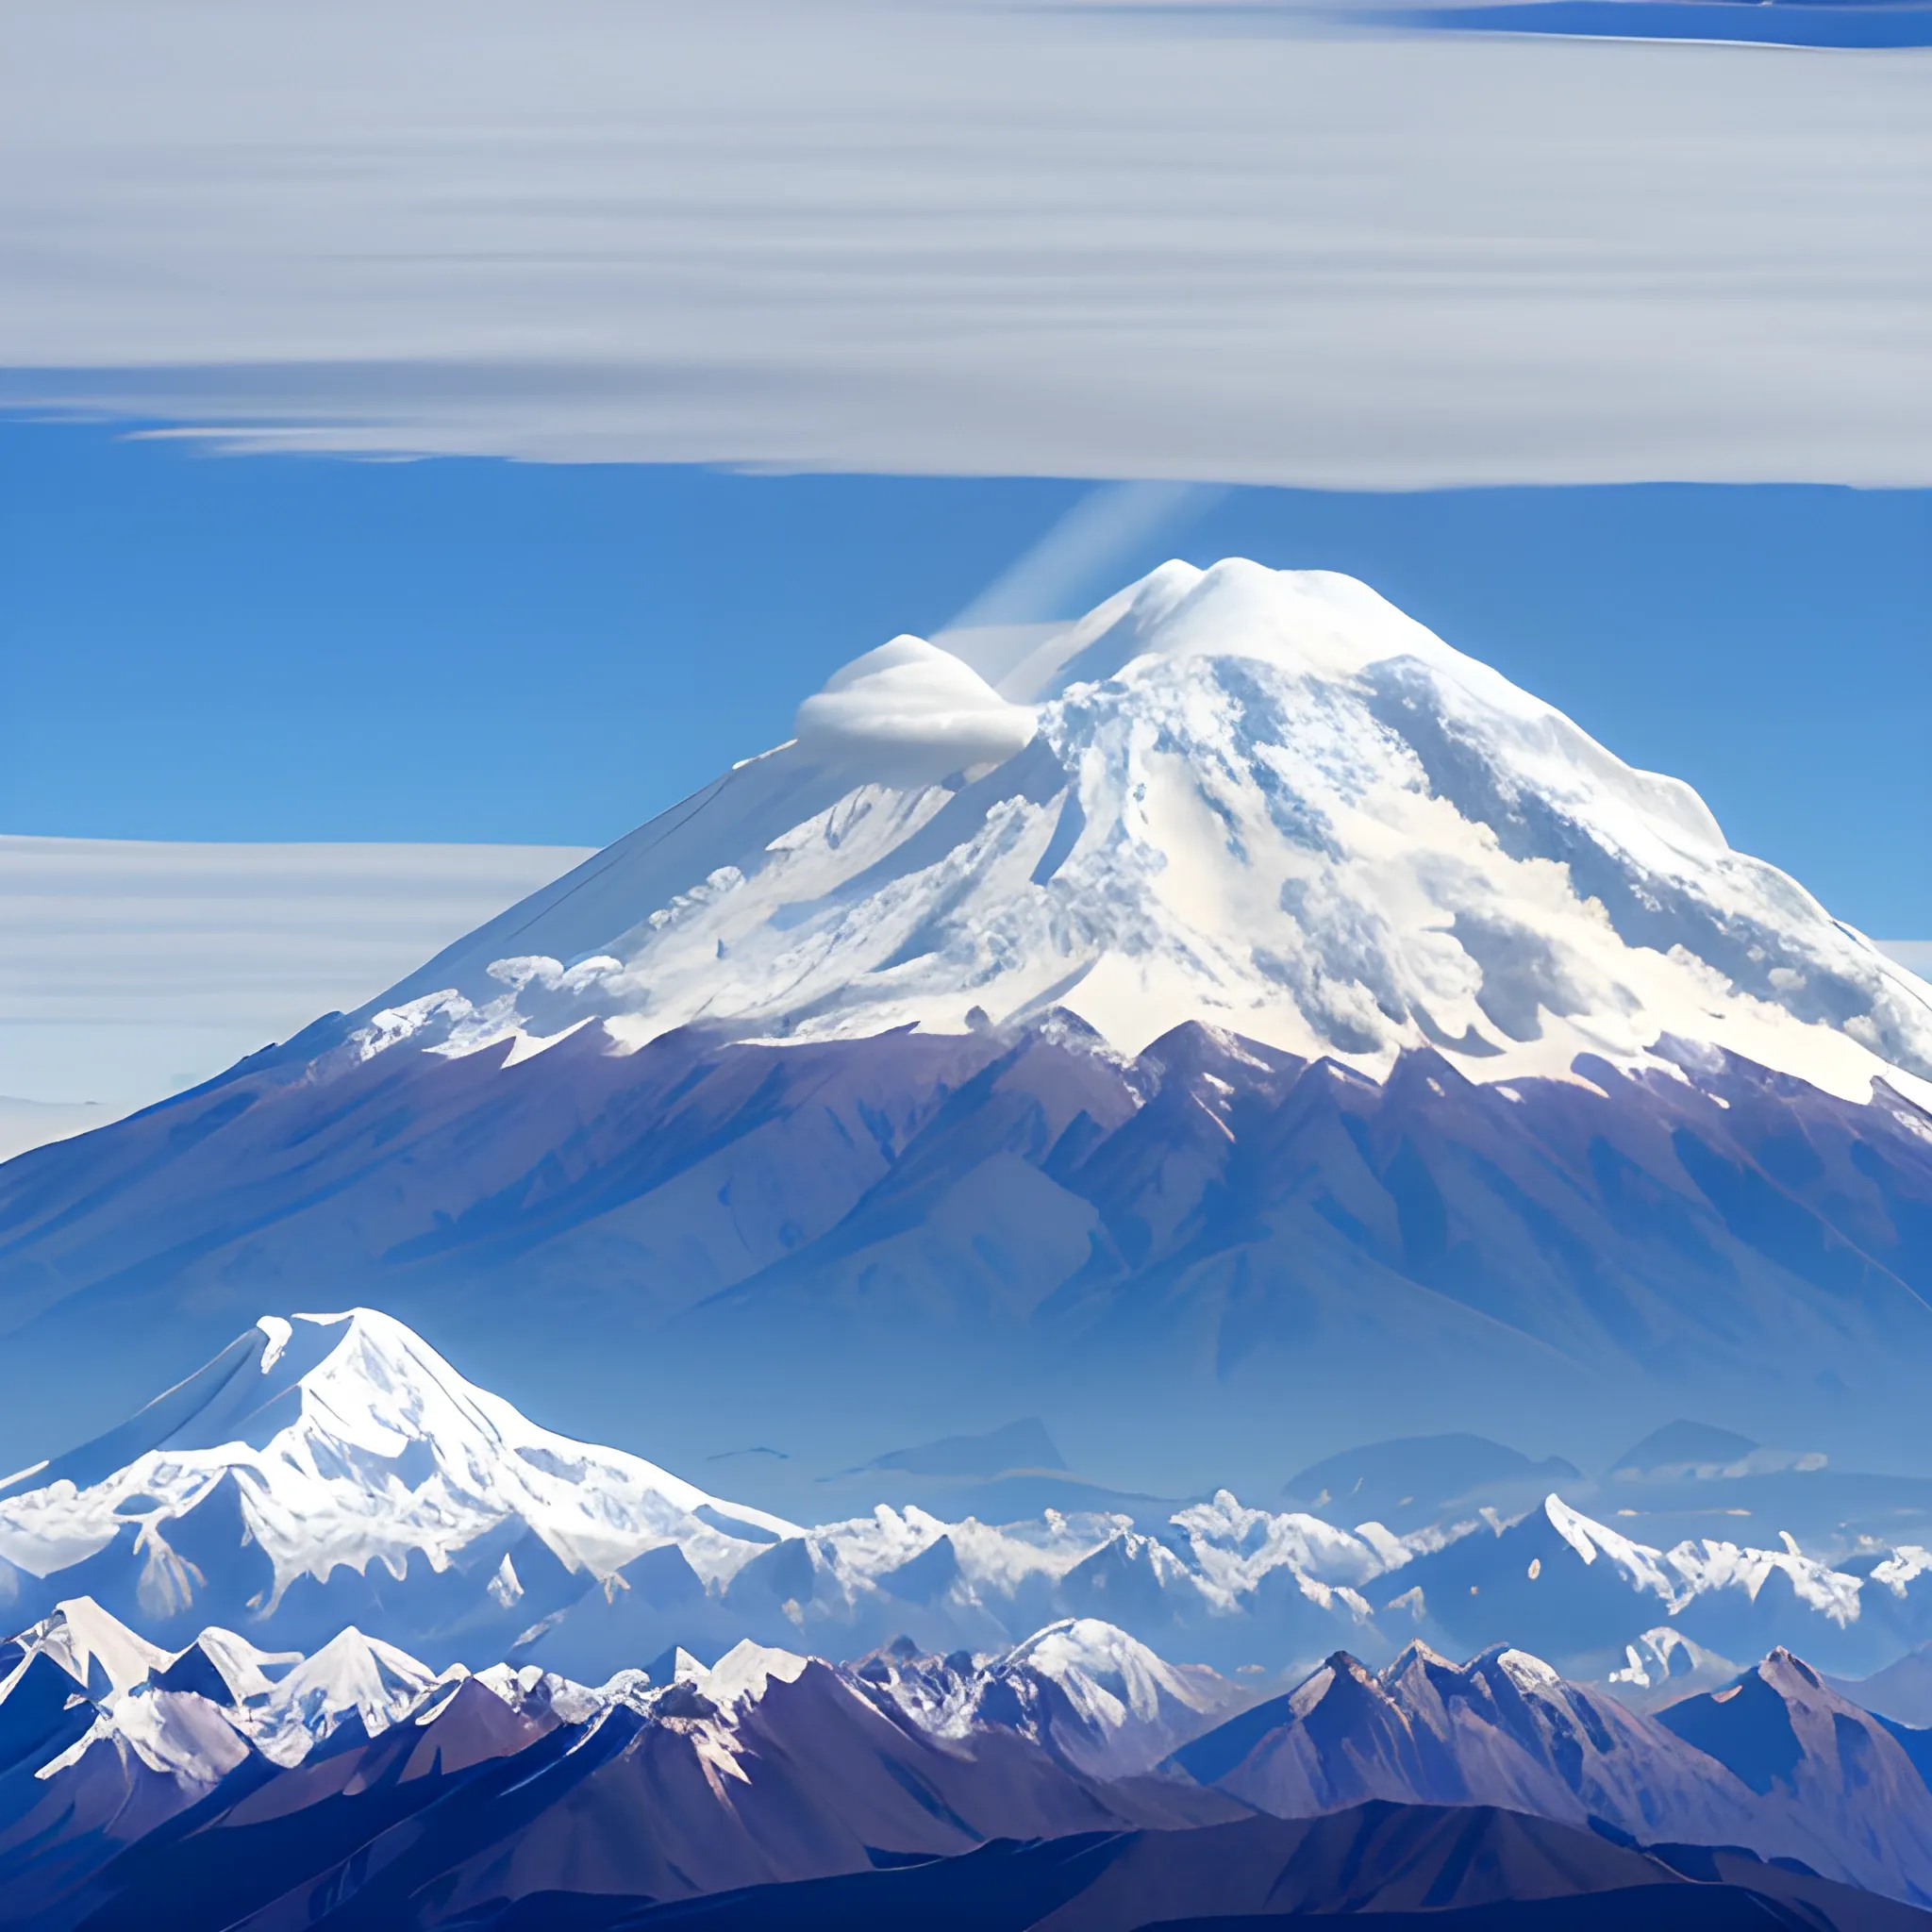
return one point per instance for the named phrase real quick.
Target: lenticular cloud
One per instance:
(909, 705)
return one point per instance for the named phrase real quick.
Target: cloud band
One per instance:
(976, 243)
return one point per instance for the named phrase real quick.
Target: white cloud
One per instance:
(128, 970)
(897, 238)
(910, 712)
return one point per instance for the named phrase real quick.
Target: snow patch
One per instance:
(278, 1331)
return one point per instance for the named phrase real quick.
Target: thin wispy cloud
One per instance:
(130, 969)
(1001, 242)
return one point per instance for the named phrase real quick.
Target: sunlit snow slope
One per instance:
(1265, 800)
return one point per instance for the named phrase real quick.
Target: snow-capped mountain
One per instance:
(1249, 979)
(1573, 1588)
(329, 1470)
(1091, 1695)
(189, 1718)
(1266, 801)
(329, 1466)
(1093, 1698)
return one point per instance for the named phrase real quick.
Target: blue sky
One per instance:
(275, 647)
(1764, 22)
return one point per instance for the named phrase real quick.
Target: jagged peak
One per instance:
(1780, 1662)
(747, 1671)
(98, 1651)
(1344, 1664)
(1416, 1655)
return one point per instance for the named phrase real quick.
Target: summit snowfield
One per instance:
(1247, 1013)
(1266, 801)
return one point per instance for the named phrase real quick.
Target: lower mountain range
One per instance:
(224, 1786)
(215, 1714)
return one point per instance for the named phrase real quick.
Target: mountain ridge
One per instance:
(355, 1788)
(1067, 1224)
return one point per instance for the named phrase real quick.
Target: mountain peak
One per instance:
(1266, 801)
(746, 1672)
(339, 1442)
(93, 1647)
